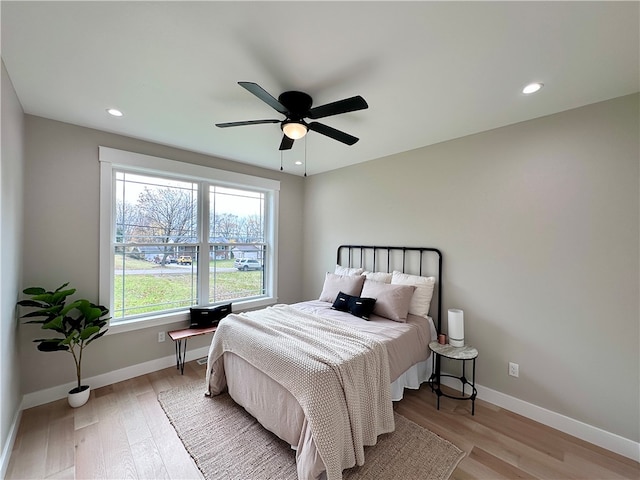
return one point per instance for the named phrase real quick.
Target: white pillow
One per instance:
(383, 277)
(340, 270)
(421, 300)
(334, 284)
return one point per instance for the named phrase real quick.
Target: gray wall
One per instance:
(11, 171)
(61, 240)
(538, 223)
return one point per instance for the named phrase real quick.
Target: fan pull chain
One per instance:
(305, 155)
(280, 160)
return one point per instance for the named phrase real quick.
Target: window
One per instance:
(176, 235)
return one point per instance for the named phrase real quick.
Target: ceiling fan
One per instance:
(296, 106)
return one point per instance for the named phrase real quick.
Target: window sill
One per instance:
(177, 317)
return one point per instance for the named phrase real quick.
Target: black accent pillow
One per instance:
(356, 306)
(342, 302)
(361, 307)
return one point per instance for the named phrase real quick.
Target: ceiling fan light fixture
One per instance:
(294, 130)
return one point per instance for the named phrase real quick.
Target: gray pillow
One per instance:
(334, 284)
(392, 301)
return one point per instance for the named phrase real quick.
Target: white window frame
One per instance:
(111, 159)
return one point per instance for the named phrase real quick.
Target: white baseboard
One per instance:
(583, 431)
(8, 446)
(56, 393)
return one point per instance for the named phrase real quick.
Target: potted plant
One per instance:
(77, 324)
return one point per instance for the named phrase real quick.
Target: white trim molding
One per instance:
(588, 433)
(8, 445)
(150, 164)
(56, 393)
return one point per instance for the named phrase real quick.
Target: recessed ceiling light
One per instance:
(115, 112)
(532, 88)
(298, 162)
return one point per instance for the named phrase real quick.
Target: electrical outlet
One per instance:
(161, 337)
(514, 369)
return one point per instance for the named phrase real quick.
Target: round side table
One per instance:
(463, 354)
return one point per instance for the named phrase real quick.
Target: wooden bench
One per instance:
(185, 334)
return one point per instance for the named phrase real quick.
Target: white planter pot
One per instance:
(80, 398)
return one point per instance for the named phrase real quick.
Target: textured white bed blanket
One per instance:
(339, 376)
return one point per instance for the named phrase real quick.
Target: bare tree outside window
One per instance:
(127, 221)
(250, 229)
(168, 217)
(225, 225)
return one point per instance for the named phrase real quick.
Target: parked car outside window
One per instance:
(184, 260)
(245, 264)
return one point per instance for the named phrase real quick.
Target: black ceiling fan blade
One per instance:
(332, 133)
(286, 143)
(341, 106)
(265, 96)
(247, 122)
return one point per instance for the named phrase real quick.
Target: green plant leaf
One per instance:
(34, 291)
(58, 296)
(39, 313)
(51, 346)
(96, 337)
(55, 324)
(32, 303)
(83, 305)
(87, 332)
(91, 312)
(44, 297)
(44, 312)
(62, 286)
(72, 338)
(77, 304)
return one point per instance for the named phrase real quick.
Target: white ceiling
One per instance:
(430, 71)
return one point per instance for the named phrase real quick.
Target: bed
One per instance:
(322, 374)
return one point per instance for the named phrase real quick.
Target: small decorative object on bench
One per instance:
(203, 320)
(203, 317)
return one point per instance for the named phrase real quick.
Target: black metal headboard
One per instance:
(423, 261)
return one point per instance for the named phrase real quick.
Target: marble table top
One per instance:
(458, 353)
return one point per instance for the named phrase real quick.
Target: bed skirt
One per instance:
(412, 378)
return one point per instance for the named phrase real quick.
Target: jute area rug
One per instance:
(229, 444)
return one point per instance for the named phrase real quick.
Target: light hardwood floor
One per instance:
(123, 433)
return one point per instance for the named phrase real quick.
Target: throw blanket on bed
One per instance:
(339, 376)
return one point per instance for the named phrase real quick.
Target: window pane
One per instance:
(155, 210)
(236, 215)
(232, 279)
(142, 284)
(238, 236)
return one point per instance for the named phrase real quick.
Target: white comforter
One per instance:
(339, 376)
